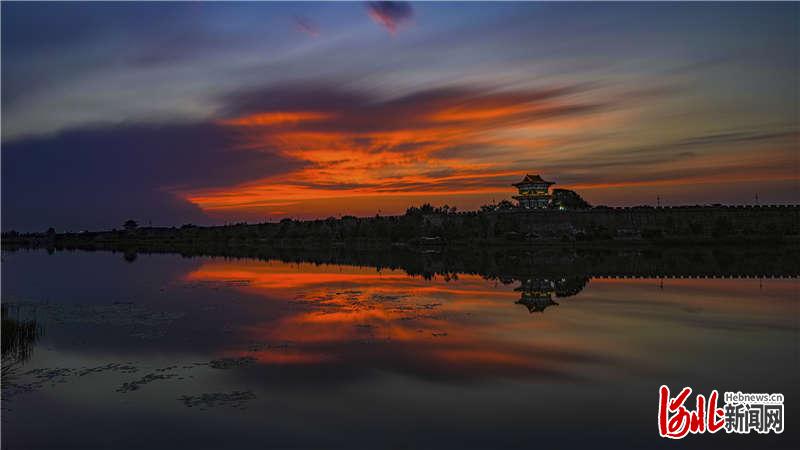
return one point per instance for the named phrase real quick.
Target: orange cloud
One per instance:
(407, 147)
(354, 154)
(275, 118)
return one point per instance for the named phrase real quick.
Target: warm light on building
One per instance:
(534, 192)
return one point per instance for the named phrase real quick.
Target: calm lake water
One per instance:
(173, 352)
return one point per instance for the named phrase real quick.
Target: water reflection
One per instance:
(456, 326)
(351, 317)
(538, 292)
(257, 349)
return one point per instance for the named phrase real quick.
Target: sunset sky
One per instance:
(221, 112)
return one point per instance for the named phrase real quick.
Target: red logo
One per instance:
(675, 421)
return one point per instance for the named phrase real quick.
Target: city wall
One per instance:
(686, 220)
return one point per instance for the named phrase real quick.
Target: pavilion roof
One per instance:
(532, 179)
(538, 304)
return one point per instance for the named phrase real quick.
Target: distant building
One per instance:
(534, 192)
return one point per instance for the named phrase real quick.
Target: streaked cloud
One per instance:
(355, 145)
(391, 15)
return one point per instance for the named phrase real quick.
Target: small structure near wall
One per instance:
(534, 192)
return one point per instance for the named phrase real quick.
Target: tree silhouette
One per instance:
(568, 199)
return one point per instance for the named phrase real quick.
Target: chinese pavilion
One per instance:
(534, 192)
(537, 294)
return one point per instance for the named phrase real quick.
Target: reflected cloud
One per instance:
(304, 322)
(466, 327)
(349, 316)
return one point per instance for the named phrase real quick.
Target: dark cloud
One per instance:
(306, 26)
(638, 162)
(390, 14)
(360, 111)
(652, 169)
(97, 178)
(735, 137)
(293, 97)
